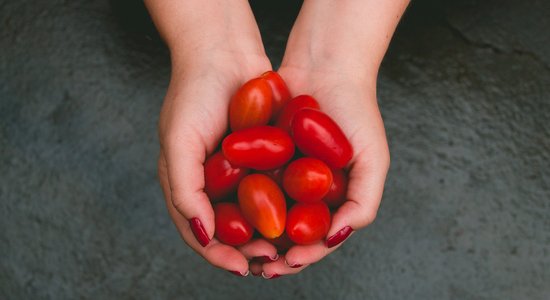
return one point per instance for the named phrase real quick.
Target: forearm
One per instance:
(351, 35)
(194, 27)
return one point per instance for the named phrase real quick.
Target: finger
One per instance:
(279, 268)
(218, 254)
(366, 185)
(307, 254)
(260, 249)
(255, 268)
(183, 162)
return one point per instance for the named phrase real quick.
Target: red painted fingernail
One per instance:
(293, 266)
(199, 232)
(338, 237)
(266, 259)
(272, 276)
(239, 273)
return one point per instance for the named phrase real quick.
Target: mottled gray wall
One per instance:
(465, 94)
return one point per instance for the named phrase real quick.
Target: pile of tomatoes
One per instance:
(283, 194)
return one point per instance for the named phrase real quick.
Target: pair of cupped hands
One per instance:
(194, 120)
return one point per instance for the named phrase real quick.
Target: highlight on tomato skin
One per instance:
(307, 179)
(317, 135)
(279, 91)
(308, 223)
(263, 204)
(251, 105)
(231, 226)
(259, 148)
(297, 103)
(336, 195)
(221, 179)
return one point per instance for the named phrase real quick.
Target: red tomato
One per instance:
(251, 105)
(231, 227)
(220, 178)
(337, 193)
(317, 135)
(263, 204)
(308, 223)
(260, 148)
(307, 180)
(279, 90)
(290, 109)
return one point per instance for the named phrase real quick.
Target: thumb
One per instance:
(366, 185)
(183, 161)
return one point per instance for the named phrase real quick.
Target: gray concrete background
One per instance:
(465, 94)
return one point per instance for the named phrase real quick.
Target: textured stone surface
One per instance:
(465, 94)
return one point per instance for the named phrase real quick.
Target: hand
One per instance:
(351, 102)
(192, 123)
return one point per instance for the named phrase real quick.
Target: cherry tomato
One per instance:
(251, 105)
(308, 223)
(336, 195)
(231, 227)
(279, 90)
(220, 178)
(307, 180)
(260, 148)
(263, 204)
(317, 135)
(289, 110)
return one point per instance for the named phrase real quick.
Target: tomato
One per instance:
(263, 204)
(251, 105)
(308, 223)
(336, 195)
(220, 178)
(307, 180)
(289, 110)
(317, 135)
(260, 148)
(231, 227)
(279, 90)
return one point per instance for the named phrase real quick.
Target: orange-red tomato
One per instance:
(336, 195)
(231, 226)
(308, 223)
(263, 204)
(220, 178)
(289, 110)
(317, 135)
(307, 179)
(279, 90)
(251, 105)
(260, 148)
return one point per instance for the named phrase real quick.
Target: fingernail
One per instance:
(272, 276)
(293, 266)
(239, 273)
(199, 232)
(266, 259)
(338, 237)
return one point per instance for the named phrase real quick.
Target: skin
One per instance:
(333, 53)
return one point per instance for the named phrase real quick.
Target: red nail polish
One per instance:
(199, 232)
(266, 259)
(273, 276)
(239, 273)
(338, 237)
